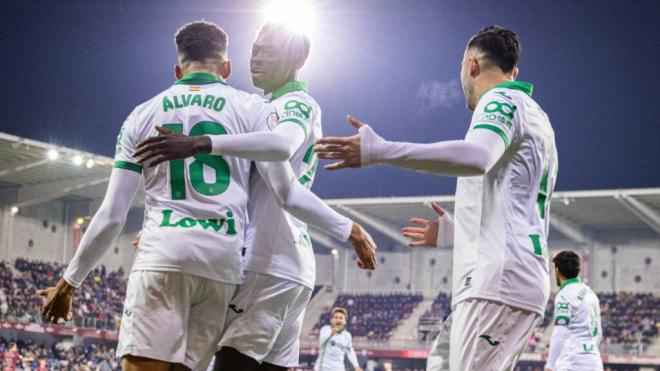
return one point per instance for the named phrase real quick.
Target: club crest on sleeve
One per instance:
(272, 120)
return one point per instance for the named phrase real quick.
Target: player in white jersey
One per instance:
(506, 168)
(265, 319)
(577, 332)
(188, 264)
(336, 343)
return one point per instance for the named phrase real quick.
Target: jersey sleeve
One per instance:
(562, 311)
(294, 110)
(497, 112)
(126, 143)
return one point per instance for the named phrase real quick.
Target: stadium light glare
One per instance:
(77, 160)
(14, 210)
(334, 252)
(298, 15)
(53, 154)
(90, 163)
(80, 221)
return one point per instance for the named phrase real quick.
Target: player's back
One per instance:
(502, 216)
(276, 242)
(195, 209)
(578, 308)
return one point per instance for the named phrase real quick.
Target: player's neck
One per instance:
(200, 67)
(292, 76)
(488, 80)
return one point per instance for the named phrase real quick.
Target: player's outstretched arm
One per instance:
(430, 233)
(473, 156)
(302, 203)
(102, 231)
(276, 145)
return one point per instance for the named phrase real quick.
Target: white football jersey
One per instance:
(578, 308)
(333, 349)
(195, 209)
(277, 243)
(502, 218)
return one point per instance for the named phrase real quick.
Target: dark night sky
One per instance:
(74, 69)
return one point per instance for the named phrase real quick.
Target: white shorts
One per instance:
(173, 317)
(265, 319)
(488, 336)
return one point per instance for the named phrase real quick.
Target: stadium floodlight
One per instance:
(295, 14)
(334, 252)
(80, 221)
(14, 210)
(53, 154)
(90, 163)
(77, 160)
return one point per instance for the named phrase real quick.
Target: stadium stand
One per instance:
(374, 316)
(62, 357)
(98, 303)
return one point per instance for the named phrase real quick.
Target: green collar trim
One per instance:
(569, 281)
(524, 87)
(199, 78)
(288, 88)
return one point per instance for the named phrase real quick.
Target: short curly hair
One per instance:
(201, 41)
(568, 263)
(501, 46)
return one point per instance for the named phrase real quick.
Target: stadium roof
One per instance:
(28, 177)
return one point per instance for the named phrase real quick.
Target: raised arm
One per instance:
(101, 233)
(302, 203)
(473, 156)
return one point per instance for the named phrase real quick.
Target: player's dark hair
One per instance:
(568, 263)
(200, 41)
(501, 46)
(339, 310)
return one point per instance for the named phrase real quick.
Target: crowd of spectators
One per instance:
(86, 357)
(98, 303)
(374, 316)
(440, 309)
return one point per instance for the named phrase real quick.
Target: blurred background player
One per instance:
(506, 168)
(577, 332)
(335, 342)
(266, 315)
(188, 263)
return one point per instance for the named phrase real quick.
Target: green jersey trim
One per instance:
(199, 78)
(288, 87)
(497, 131)
(524, 87)
(558, 319)
(127, 166)
(569, 281)
(295, 121)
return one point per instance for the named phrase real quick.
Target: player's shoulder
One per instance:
(296, 100)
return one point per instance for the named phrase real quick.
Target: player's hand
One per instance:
(425, 234)
(346, 150)
(364, 246)
(358, 369)
(335, 330)
(58, 302)
(169, 145)
(136, 240)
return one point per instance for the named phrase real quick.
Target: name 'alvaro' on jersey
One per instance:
(195, 209)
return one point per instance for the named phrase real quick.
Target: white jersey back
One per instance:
(502, 217)
(276, 242)
(195, 209)
(577, 307)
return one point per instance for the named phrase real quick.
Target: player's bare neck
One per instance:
(488, 79)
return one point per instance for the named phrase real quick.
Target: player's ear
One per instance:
(475, 68)
(225, 70)
(515, 72)
(178, 72)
